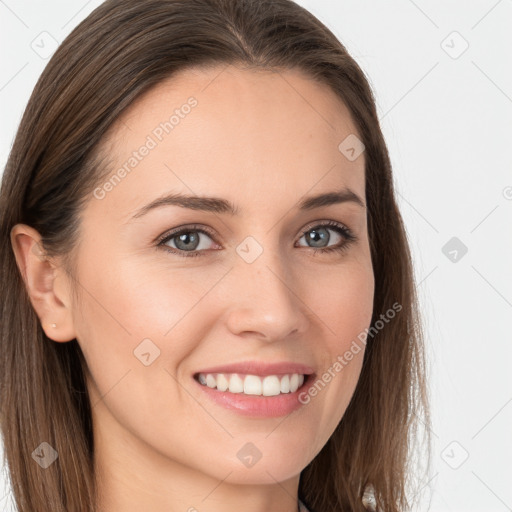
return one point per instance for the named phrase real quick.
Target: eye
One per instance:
(190, 239)
(318, 235)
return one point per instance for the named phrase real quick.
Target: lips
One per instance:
(260, 368)
(240, 389)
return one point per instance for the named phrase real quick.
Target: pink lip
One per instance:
(261, 369)
(256, 405)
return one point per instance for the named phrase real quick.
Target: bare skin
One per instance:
(263, 141)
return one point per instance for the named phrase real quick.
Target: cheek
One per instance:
(131, 309)
(137, 325)
(342, 302)
(133, 300)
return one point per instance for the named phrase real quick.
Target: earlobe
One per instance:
(40, 275)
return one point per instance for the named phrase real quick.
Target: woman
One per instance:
(177, 331)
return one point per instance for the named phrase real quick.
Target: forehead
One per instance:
(251, 136)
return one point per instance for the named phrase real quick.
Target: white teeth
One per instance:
(270, 385)
(236, 384)
(222, 382)
(211, 381)
(294, 382)
(252, 385)
(285, 384)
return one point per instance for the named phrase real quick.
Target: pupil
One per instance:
(185, 240)
(318, 234)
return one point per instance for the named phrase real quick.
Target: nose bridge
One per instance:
(259, 260)
(265, 300)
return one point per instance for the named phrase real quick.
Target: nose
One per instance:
(266, 299)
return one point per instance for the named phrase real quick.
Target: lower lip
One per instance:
(257, 405)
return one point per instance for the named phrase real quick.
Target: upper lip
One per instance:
(260, 368)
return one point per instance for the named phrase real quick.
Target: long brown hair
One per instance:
(117, 53)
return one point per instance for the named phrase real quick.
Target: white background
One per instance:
(447, 119)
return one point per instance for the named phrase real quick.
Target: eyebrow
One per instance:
(219, 205)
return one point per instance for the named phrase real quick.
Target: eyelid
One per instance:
(186, 227)
(326, 223)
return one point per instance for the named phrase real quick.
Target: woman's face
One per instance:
(252, 291)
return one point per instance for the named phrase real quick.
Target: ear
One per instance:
(47, 283)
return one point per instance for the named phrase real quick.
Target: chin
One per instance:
(262, 472)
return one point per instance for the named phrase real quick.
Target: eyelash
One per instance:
(336, 226)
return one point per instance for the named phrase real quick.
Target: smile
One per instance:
(268, 385)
